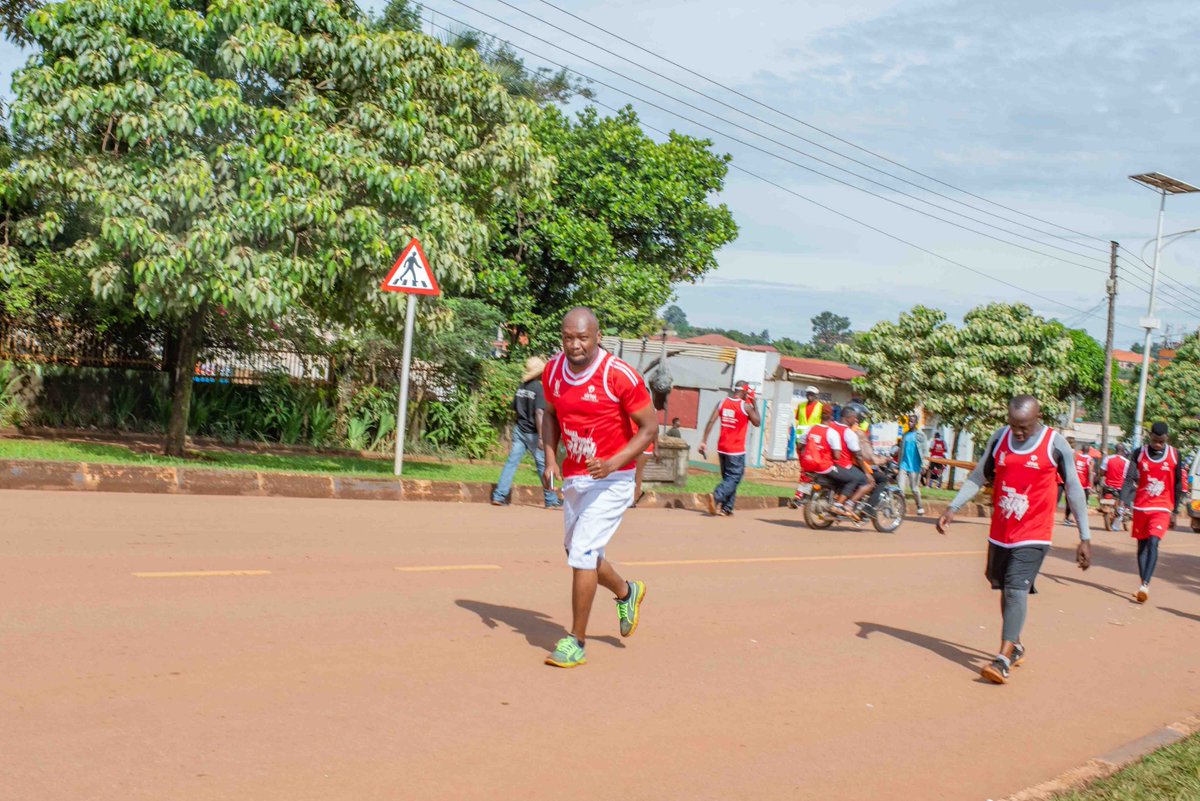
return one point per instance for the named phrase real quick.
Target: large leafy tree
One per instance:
(904, 360)
(830, 329)
(1173, 396)
(628, 217)
(255, 157)
(964, 375)
(1002, 350)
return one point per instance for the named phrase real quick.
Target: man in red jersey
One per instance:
(853, 470)
(1153, 487)
(1021, 462)
(736, 413)
(600, 410)
(1083, 469)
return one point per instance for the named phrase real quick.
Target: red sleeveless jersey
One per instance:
(1114, 471)
(734, 422)
(817, 456)
(846, 458)
(1156, 482)
(1024, 491)
(594, 408)
(1083, 464)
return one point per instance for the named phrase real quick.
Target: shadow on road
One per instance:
(538, 629)
(958, 654)
(1068, 580)
(1178, 568)
(1177, 613)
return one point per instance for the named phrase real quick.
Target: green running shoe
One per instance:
(567, 654)
(627, 610)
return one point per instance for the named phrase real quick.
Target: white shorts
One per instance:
(592, 512)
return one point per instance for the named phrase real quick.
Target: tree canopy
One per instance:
(626, 218)
(255, 157)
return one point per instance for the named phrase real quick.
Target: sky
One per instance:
(1045, 108)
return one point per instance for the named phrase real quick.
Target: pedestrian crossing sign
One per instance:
(411, 273)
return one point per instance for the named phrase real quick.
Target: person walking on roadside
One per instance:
(912, 449)
(1153, 487)
(1021, 463)
(600, 410)
(937, 450)
(530, 405)
(1083, 470)
(736, 413)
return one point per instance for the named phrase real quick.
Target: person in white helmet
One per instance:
(808, 414)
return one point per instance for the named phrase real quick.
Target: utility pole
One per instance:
(1108, 347)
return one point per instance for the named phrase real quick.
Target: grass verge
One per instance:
(414, 467)
(1168, 774)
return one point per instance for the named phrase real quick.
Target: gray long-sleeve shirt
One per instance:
(1064, 459)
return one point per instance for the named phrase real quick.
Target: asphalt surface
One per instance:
(157, 647)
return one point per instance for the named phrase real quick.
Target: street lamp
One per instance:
(1164, 186)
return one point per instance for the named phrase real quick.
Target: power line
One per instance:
(1136, 259)
(810, 126)
(793, 192)
(1182, 289)
(784, 145)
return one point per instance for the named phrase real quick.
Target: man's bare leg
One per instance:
(583, 593)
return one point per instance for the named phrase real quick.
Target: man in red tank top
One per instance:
(1083, 468)
(1022, 462)
(600, 410)
(1154, 487)
(736, 413)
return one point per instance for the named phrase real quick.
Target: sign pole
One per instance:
(402, 414)
(413, 275)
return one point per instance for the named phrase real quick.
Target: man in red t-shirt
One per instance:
(1022, 462)
(735, 413)
(1154, 488)
(600, 410)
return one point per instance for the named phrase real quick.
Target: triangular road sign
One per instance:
(411, 273)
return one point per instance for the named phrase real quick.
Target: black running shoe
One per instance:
(996, 672)
(1018, 655)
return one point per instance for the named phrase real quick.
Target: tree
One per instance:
(903, 361)
(675, 319)
(1173, 396)
(1002, 350)
(627, 217)
(399, 15)
(12, 19)
(830, 329)
(255, 158)
(1085, 372)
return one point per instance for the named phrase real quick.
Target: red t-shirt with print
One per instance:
(595, 408)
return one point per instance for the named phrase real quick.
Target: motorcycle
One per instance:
(884, 506)
(1115, 517)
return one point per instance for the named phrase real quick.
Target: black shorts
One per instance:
(1014, 567)
(847, 479)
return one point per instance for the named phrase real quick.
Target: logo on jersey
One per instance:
(1003, 459)
(590, 394)
(579, 448)
(1155, 487)
(557, 387)
(1013, 503)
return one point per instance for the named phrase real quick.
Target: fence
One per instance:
(56, 342)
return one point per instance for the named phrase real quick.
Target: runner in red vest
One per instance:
(1114, 468)
(600, 410)
(1021, 462)
(1154, 487)
(736, 413)
(1083, 469)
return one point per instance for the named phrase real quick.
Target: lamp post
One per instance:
(1164, 185)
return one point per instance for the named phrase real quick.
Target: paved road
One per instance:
(772, 662)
